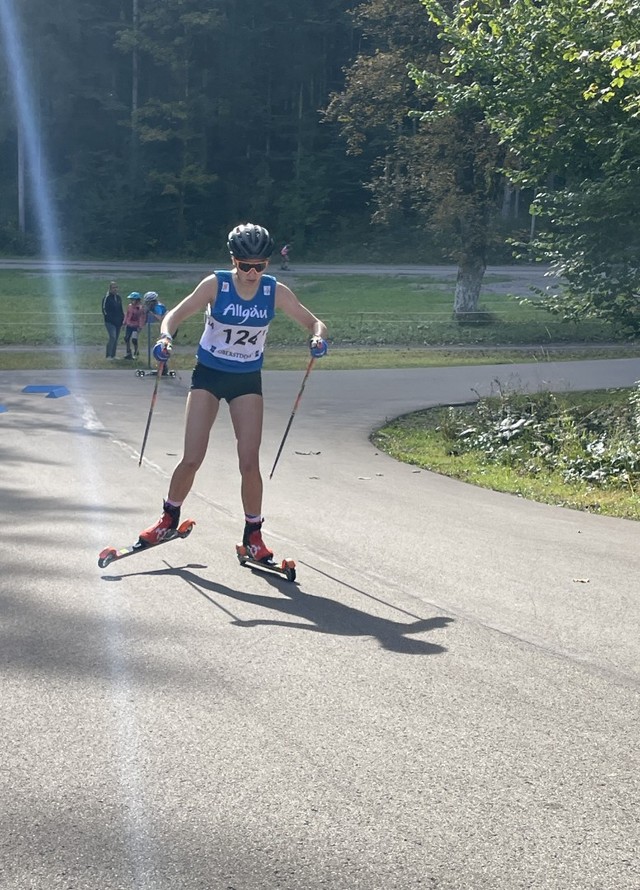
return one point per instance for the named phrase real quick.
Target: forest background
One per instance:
(163, 124)
(406, 130)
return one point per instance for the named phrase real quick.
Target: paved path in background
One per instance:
(446, 698)
(503, 279)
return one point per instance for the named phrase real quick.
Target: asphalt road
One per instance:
(446, 698)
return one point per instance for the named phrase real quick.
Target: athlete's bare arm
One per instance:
(197, 301)
(291, 305)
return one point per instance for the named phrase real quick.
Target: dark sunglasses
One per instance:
(247, 267)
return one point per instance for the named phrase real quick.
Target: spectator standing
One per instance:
(133, 322)
(113, 315)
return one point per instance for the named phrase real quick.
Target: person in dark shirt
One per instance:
(113, 315)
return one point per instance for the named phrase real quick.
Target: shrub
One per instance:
(598, 445)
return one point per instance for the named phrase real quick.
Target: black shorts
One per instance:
(226, 384)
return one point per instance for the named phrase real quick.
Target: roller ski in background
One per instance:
(253, 552)
(111, 554)
(153, 373)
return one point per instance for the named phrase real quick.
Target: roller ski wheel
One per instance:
(139, 373)
(111, 554)
(286, 568)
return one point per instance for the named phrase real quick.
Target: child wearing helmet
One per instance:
(133, 322)
(239, 305)
(153, 306)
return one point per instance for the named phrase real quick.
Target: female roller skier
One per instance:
(239, 305)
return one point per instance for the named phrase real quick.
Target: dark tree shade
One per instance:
(164, 123)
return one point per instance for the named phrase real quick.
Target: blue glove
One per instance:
(162, 349)
(318, 347)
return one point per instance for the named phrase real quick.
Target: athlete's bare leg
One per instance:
(201, 411)
(246, 416)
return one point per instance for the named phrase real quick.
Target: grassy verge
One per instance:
(293, 359)
(361, 311)
(424, 439)
(374, 322)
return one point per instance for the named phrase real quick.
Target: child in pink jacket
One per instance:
(133, 322)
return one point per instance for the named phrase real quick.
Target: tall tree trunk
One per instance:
(21, 191)
(506, 199)
(468, 283)
(133, 159)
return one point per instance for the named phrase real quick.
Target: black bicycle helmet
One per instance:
(250, 242)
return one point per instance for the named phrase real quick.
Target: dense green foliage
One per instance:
(575, 450)
(559, 84)
(439, 173)
(154, 127)
(163, 124)
(548, 433)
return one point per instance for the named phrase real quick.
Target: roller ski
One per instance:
(286, 568)
(253, 552)
(166, 529)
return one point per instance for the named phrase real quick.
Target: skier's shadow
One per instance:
(323, 614)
